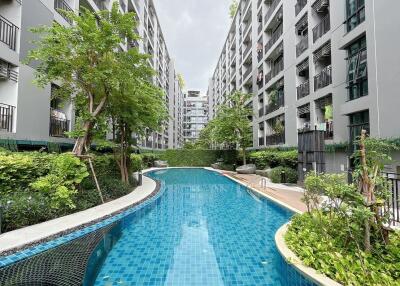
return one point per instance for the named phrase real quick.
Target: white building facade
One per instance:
(28, 116)
(195, 116)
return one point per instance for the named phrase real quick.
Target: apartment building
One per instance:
(28, 116)
(195, 116)
(316, 64)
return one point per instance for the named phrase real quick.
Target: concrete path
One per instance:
(290, 195)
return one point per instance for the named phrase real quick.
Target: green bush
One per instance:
(290, 174)
(148, 159)
(198, 158)
(325, 249)
(274, 158)
(136, 162)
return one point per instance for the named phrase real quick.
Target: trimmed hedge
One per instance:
(274, 158)
(197, 158)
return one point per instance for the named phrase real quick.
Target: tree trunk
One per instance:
(244, 156)
(124, 154)
(83, 141)
(366, 191)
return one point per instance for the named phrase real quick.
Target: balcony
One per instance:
(6, 117)
(271, 10)
(275, 139)
(280, 102)
(58, 125)
(328, 130)
(274, 38)
(62, 5)
(302, 46)
(303, 89)
(322, 28)
(7, 73)
(299, 6)
(323, 79)
(248, 71)
(248, 48)
(261, 112)
(8, 33)
(275, 70)
(261, 141)
(101, 4)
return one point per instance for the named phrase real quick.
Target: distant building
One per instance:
(195, 115)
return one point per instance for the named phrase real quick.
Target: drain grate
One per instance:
(65, 265)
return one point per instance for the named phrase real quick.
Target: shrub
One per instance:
(290, 174)
(198, 158)
(136, 162)
(148, 159)
(274, 158)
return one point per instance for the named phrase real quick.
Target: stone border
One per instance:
(21, 239)
(292, 259)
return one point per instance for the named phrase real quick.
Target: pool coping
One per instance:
(24, 238)
(292, 259)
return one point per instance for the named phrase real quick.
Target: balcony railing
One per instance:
(323, 79)
(280, 102)
(275, 70)
(58, 126)
(101, 4)
(7, 73)
(321, 28)
(248, 71)
(299, 6)
(62, 5)
(271, 10)
(274, 38)
(248, 48)
(302, 46)
(261, 141)
(8, 33)
(6, 117)
(303, 89)
(275, 139)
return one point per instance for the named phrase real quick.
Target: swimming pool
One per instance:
(203, 229)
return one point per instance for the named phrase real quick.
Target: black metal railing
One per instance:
(302, 46)
(280, 102)
(321, 28)
(62, 5)
(58, 126)
(299, 6)
(271, 10)
(323, 79)
(275, 139)
(275, 70)
(392, 205)
(7, 73)
(8, 33)
(6, 117)
(274, 38)
(303, 89)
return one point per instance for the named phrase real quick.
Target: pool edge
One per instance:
(292, 259)
(21, 239)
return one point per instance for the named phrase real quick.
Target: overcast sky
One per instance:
(195, 32)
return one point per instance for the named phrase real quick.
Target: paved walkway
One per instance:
(290, 195)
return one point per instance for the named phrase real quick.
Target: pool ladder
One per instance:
(263, 183)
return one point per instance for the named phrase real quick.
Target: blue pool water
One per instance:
(203, 230)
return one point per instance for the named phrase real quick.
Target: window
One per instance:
(357, 74)
(355, 13)
(358, 121)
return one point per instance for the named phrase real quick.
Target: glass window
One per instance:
(355, 13)
(357, 74)
(358, 121)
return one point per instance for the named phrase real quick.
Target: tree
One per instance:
(233, 8)
(232, 124)
(86, 59)
(181, 81)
